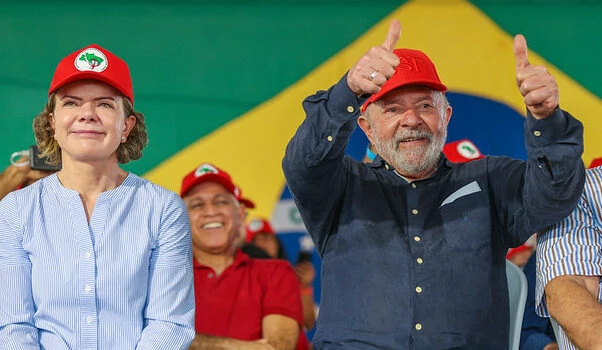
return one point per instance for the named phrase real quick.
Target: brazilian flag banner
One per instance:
(223, 81)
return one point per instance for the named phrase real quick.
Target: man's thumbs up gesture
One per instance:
(536, 84)
(376, 66)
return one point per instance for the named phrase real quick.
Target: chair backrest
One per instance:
(556, 328)
(517, 293)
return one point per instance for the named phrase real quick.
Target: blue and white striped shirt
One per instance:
(573, 246)
(122, 281)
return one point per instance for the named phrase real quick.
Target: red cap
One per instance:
(258, 225)
(208, 173)
(246, 201)
(93, 62)
(461, 151)
(415, 67)
(595, 163)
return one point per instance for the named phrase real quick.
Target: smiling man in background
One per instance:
(242, 303)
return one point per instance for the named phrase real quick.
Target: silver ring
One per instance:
(373, 75)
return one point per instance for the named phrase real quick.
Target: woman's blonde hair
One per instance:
(49, 147)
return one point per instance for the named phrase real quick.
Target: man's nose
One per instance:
(410, 118)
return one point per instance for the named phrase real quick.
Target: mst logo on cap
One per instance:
(461, 151)
(468, 150)
(91, 59)
(207, 172)
(92, 62)
(205, 169)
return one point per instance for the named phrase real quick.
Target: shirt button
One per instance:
(210, 275)
(350, 109)
(418, 326)
(387, 166)
(88, 255)
(418, 290)
(419, 260)
(89, 319)
(329, 138)
(416, 238)
(413, 185)
(415, 211)
(537, 133)
(88, 288)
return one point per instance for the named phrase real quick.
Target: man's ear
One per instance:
(448, 114)
(366, 127)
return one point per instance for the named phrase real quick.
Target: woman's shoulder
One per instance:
(150, 188)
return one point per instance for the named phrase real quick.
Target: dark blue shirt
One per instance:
(421, 265)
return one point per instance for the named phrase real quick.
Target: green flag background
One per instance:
(223, 81)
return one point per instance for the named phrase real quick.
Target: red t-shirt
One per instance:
(234, 303)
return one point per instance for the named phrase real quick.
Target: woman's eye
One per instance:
(68, 103)
(106, 105)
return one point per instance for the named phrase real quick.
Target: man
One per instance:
(569, 270)
(242, 303)
(413, 246)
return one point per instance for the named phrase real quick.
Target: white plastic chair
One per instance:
(556, 328)
(517, 293)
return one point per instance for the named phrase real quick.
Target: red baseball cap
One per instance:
(208, 172)
(461, 151)
(258, 225)
(246, 201)
(93, 62)
(415, 67)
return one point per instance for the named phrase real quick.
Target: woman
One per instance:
(94, 257)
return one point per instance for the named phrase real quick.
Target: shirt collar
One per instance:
(378, 162)
(239, 259)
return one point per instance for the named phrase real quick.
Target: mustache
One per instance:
(405, 135)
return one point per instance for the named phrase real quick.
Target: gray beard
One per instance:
(416, 162)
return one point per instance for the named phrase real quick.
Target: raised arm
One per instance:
(314, 164)
(545, 190)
